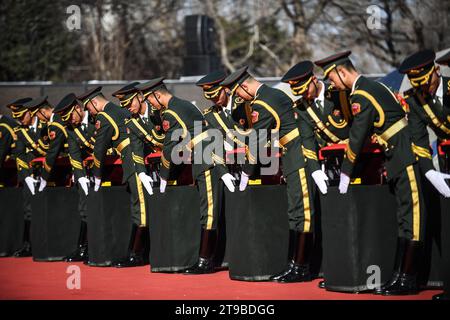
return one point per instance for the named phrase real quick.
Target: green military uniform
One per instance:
(7, 137)
(377, 112)
(111, 132)
(26, 148)
(272, 110)
(424, 109)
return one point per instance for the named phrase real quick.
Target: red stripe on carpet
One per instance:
(21, 278)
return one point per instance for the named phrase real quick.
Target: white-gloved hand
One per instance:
(437, 179)
(162, 186)
(84, 184)
(146, 182)
(320, 178)
(244, 181)
(42, 185)
(97, 182)
(30, 181)
(228, 181)
(343, 183)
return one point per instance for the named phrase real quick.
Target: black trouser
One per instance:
(82, 204)
(138, 205)
(26, 202)
(211, 193)
(410, 203)
(300, 192)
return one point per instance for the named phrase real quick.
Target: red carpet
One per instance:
(21, 278)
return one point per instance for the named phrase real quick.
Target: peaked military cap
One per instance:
(419, 67)
(66, 106)
(444, 60)
(211, 84)
(90, 94)
(150, 86)
(236, 78)
(331, 62)
(126, 93)
(19, 107)
(299, 77)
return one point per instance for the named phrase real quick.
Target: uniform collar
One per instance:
(51, 117)
(321, 96)
(440, 89)
(145, 115)
(229, 104)
(85, 118)
(354, 83)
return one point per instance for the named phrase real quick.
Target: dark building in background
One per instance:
(201, 52)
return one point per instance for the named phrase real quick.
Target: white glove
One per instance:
(146, 182)
(437, 179)
(320, 178)
(84, 184)
(244, 181)
(228, 181)
(162, 186)
(97, 182)
(42, 185)
(30, 181)
(343, 183)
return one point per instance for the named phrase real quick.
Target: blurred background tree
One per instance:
(141, 39)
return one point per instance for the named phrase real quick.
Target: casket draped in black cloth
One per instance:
(109, 225)
(445, 210)
(174, 225)
(360, 231)
(257, 232)
(11, 220)
(55, 223)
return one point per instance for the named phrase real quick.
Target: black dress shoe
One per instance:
(203, 266)
(134, 260)
(81, 254)
(23, 252)
(298, 273)
(283, 273)
(321, 284)
(405, 285)
(440, 296)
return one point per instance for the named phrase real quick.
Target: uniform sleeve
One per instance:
(362, 124)
(261, 119)
(137, 147)
(76, 160)
(20, 153)
(420, 140)
(169, 145)
(103, 138)
(309, 143)
(5, 144)
(57, 140)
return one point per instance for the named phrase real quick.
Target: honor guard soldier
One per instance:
(80, 138)
(272, 110)
(57, 135)
(144, 136)
(220, 115)
(429, 105)
(111, 130)
(376, 111)
(182, 116)
(7, 137)
(321, 121)
(26, 149)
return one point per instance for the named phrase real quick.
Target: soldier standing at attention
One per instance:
(181, 116)
(111, 130)
(377, 112)
(272, 110)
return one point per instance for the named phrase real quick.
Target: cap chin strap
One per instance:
(251, 95)
(94, 106)
(347, 87)
(46, 118)
(159, 102)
